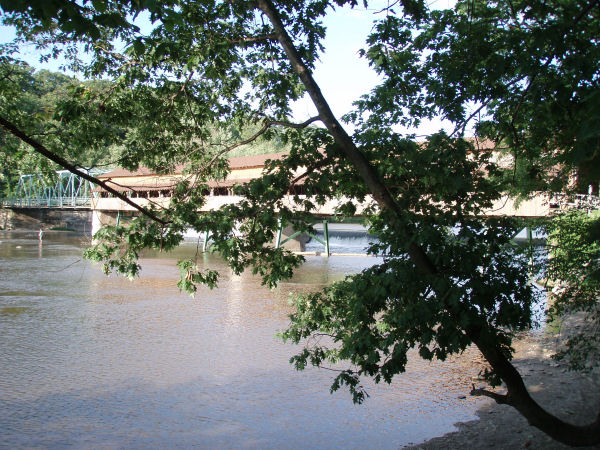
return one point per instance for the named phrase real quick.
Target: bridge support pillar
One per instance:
(100, 218)
(206, 237)
(96, 221)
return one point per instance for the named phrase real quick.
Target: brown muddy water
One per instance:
(89, 361)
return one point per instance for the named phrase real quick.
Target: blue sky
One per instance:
(341, 74)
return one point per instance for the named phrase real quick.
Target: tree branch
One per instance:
(378, 189)
(227, 149)
(309, 171)
(584, 11)
(42, 150)
(266, 125)
(254, 39)
(294, 125)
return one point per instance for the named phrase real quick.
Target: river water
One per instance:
(90, 361)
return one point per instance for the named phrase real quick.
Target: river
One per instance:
(90, 361)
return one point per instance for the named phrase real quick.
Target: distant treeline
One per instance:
(75, 119)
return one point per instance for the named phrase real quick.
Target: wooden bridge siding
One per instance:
(538, 206)
(213, 203)
(505, 206)
(116, 204)
(157, 182)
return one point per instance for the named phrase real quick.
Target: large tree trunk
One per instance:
(517, 395)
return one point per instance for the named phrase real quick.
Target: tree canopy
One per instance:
(522, 74)
(35, 99)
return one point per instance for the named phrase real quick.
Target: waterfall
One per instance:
(343, 238)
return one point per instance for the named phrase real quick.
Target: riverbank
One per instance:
(572, 396)
(27, 219)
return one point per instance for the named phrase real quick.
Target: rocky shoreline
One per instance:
(572, 396)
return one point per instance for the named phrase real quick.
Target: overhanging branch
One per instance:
(254, 39)
(378, 189)
(42, 150)
(283, 123)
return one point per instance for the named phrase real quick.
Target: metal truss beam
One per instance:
(66, 190)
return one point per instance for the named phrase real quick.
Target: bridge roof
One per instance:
(243, 162)
(147, 179)
(238, 162)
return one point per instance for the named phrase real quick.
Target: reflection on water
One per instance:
(94, 361)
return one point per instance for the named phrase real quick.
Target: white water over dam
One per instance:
(343, 238)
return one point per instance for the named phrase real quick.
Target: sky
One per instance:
(341, 74)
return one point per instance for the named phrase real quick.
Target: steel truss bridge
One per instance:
(66, 190)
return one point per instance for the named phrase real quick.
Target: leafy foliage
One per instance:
(523, 74)
(374, 318)
(40, 103)
(574, 266)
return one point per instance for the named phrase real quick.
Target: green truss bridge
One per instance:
(65, 190)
